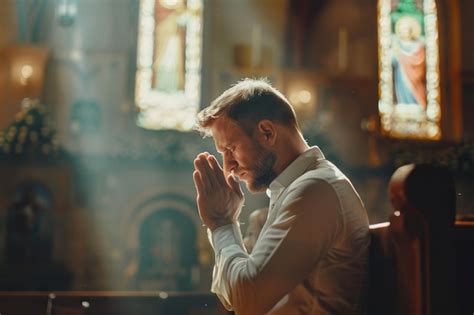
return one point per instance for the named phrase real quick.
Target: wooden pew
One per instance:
(421, 260)
(109, 303)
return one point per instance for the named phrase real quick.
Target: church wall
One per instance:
(343, 52)
(7, 34)
(112, 165)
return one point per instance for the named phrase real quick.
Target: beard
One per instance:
(263, 173)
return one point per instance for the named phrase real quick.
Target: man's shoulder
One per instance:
(324, 178)
(314, 182)
(324, 171)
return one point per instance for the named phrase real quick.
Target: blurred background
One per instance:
(98, 97)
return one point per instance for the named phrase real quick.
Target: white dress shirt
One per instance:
(312, 253)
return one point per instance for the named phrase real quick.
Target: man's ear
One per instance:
(267, 131)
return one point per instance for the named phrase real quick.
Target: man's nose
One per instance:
(229, 163)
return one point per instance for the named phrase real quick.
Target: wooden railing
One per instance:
(109, 303)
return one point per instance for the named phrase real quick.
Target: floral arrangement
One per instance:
(30, 134)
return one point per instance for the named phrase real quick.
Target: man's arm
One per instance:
(285, 254)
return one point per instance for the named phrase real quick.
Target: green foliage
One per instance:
(30, 134)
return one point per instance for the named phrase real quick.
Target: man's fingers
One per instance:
(213, 162)
(200, 168)
(208, 176)
(210, 169)
(217, 169)
(198, 182)
(234, 185)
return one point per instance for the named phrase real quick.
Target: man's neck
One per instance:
(289, 152)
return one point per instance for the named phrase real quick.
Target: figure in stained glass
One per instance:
(409, 68)
(409, 87)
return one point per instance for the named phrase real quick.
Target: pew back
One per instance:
(419, 261)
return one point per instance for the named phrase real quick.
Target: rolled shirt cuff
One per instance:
(225, 236)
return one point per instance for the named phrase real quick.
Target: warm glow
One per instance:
(304, 96)
(379, 225)
(170, 4)
(294, 99)
(25, 74)
(26, 71)
(300, 98)
(168, 77)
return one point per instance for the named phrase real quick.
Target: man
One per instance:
(311, 255)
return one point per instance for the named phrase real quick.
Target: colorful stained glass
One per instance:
(168, 78)
(409, 92)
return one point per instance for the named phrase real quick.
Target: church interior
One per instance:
(97, 105)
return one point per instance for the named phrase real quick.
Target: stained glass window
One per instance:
(168, 78)
(409, 91)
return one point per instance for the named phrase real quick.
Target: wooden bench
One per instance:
(109, 303)
(421, 261)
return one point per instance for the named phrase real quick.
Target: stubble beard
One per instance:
(263, 170)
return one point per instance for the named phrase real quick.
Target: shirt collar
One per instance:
(295, 169)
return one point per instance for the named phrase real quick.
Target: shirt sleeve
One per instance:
(285, 253)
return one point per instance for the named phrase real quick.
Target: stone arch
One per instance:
(178, 214)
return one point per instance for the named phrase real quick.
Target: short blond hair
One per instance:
(248, 102)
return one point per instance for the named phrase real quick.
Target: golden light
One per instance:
(301, 99)
(304, 96)
(26, 67)
(301, 89)
(26, 73)
(170, 4)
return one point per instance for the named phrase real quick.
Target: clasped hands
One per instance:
(219, 197)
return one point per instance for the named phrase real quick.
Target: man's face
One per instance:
(243, 156)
